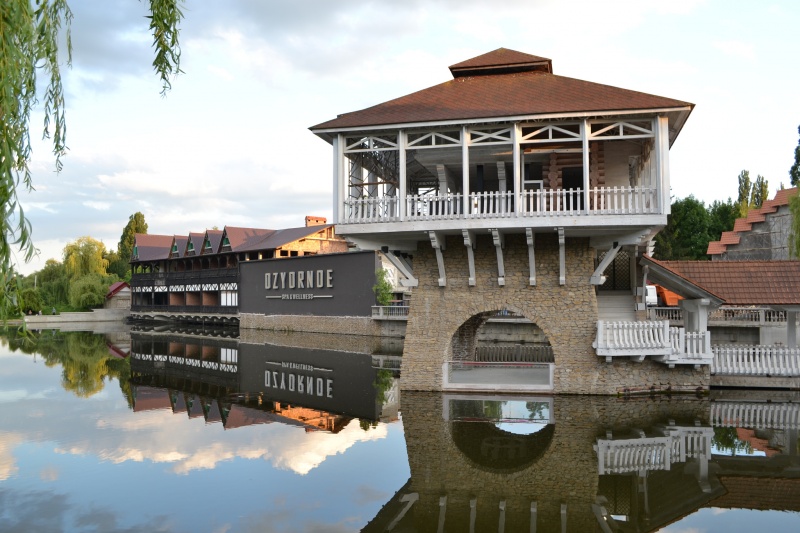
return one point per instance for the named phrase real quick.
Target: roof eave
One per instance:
(328, 134)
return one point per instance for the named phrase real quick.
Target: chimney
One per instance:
(316, 221)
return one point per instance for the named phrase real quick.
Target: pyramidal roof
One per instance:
(501, 61)
(504, 84)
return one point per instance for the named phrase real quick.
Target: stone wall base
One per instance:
(756, 382)
(339, 325)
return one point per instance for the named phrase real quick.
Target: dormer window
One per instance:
(191, 247)
(226, 242)
(207, 245)
(136, 252)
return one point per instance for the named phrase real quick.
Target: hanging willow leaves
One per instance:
(29, 46)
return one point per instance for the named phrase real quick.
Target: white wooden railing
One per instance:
(749, 360)
(390, 312)
(690, 345)
(632, 339)
(433, 207)
(679, 443)
(724, 315)
(491, 205)
(755, 415)
(622, 200)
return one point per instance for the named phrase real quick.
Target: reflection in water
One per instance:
(476, 463)
(586, 463)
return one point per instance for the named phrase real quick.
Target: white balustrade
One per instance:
(689, 345)
(433, 206)
(371, 209)
(750, 360)
(627, 338)
(673, 314)
(622, 200)
(390, 312)
(755, 415)
(496, 204)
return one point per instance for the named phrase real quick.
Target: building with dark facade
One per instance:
(199, 273)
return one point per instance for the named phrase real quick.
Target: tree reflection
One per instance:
(83, 356)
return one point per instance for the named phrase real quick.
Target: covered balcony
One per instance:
(503, 175)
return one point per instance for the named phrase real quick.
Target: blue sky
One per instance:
(230, 145)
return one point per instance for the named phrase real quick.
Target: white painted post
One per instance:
(338, 176)
(791, 329)
(465, 169)
(402, 141)
(586, 165)
(516, 133)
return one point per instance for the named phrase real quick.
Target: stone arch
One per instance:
(491, 449)
(566, 314)
(464, 343)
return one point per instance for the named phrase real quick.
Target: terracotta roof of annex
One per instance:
(745, 224)
(501, 93)
(771, 283)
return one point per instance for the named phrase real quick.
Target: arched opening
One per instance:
(499, 350)
(502, 436)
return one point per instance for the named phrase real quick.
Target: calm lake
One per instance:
(179, 432)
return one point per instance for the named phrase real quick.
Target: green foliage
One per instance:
(727, 440)
(743, 200)
(29, 45)
(85, 256)
(383, 382)
(30, 35)
(721, 217)
(165, 16)
(10, 299)
(32, 300)
(383, 289)
(794, 235)
(794, 172)
(136, 224)
(89, 291)
(686, 235)
(760, 192)
(53, 284)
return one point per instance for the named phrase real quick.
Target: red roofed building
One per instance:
(762, 235)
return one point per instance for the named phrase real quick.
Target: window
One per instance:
(229, 298)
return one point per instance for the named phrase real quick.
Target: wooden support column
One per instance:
(516, 133)
(401, 178)
(469, 242)
(530, 237)
(465, 170)
(338, 177)
(499, 243)
(562, 258)
(437, 241)
(586, 164)
(661, 148)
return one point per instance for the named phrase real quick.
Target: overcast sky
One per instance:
(230, 143)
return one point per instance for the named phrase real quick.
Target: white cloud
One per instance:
(100, 206)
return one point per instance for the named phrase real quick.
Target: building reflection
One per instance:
(570, 463)
(239, 384)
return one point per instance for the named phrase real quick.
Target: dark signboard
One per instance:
(322, 285)
(337, 382)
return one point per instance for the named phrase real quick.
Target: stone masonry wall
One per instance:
(566, 314)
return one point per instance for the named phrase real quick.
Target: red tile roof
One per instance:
(764, 493)
(754, 216)
(773, 283)
(246, 238)
(115, 288)
(504, 88)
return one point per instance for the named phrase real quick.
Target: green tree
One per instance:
(89, 291)
(721, 217)
(30, 34)
(794, 234)
(745, 186)
(794, 172)
(686, 235)
(136, 224)
(85, 256)
(383, 289)
(53, 284)
(759, 193)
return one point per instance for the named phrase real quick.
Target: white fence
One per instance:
(755, 415)
(495, 204)
(690, 345)
(679, 443)
(390, 312)
(724, 315)
(628, 338)
(742, 360)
